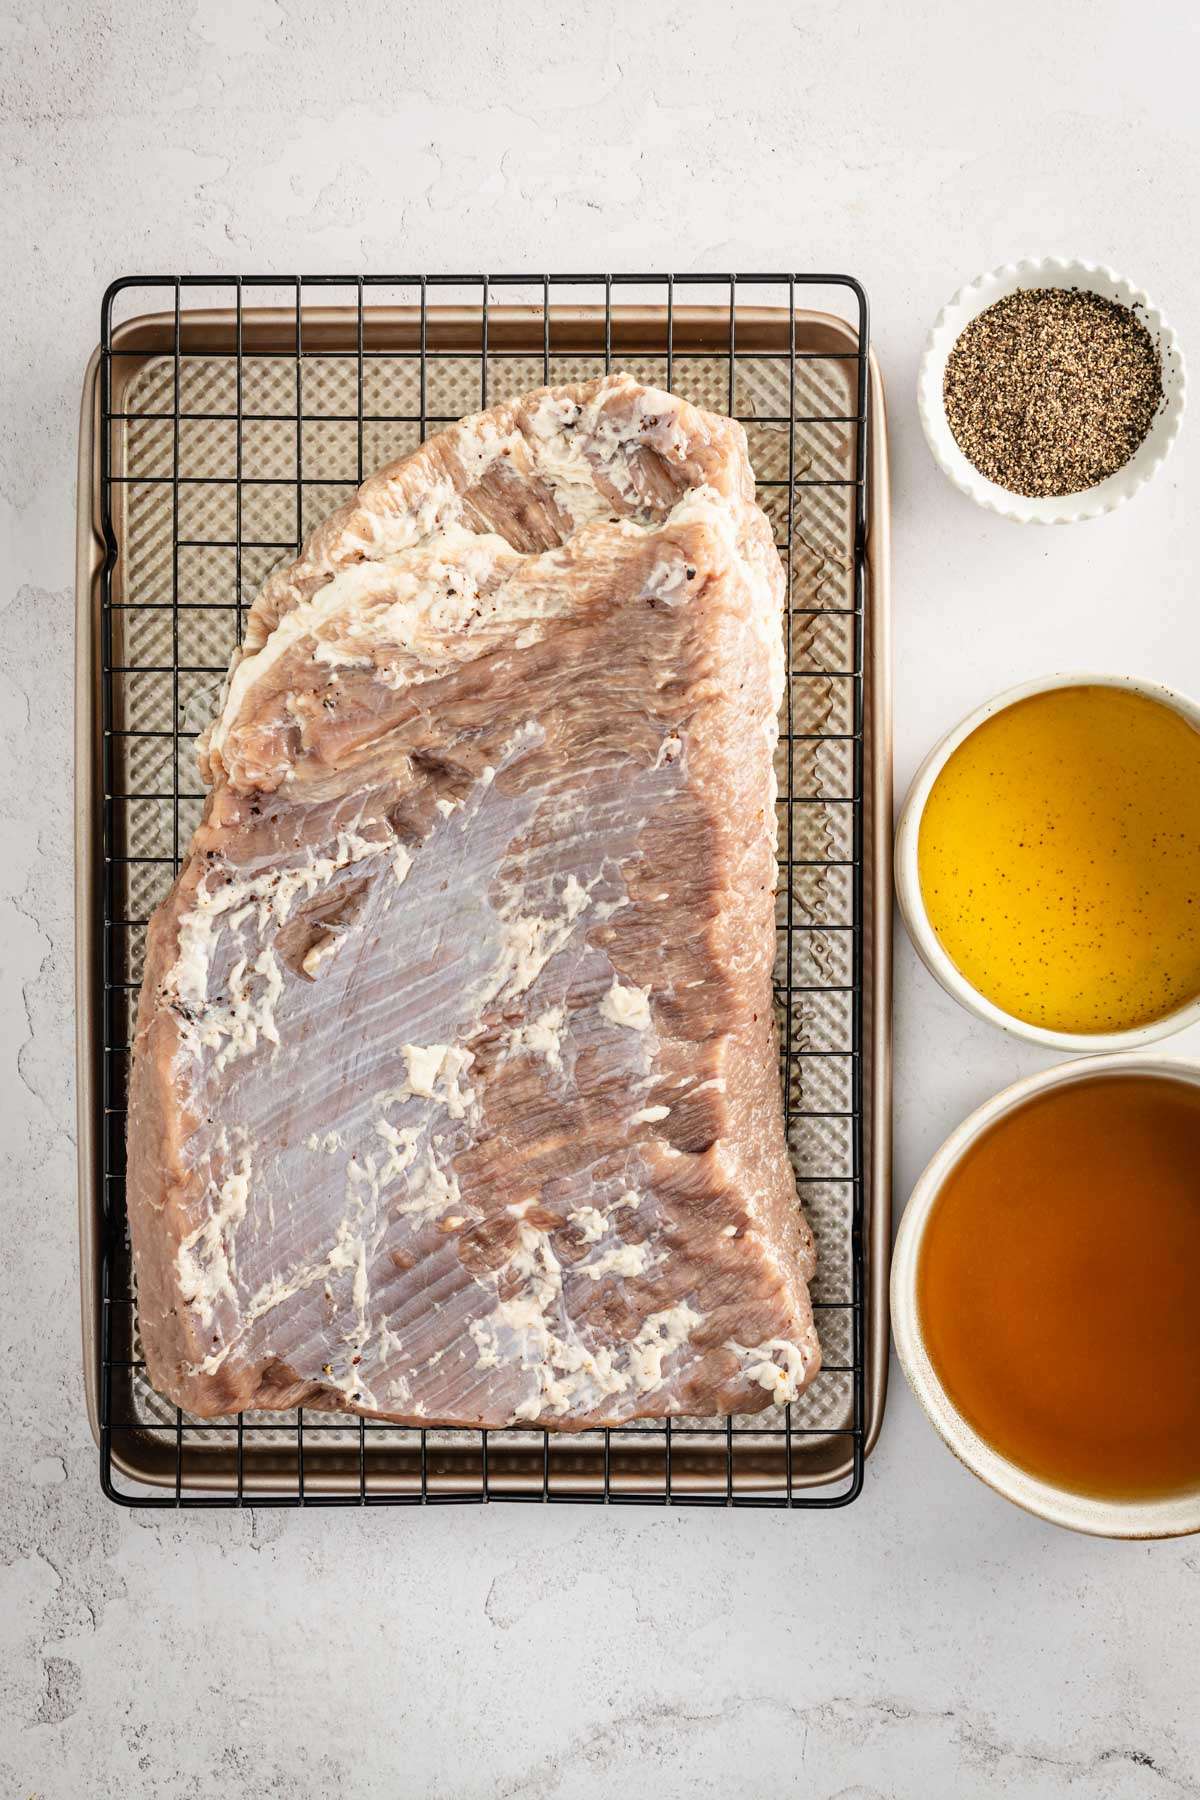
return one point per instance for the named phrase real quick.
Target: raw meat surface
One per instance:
(455, 1094)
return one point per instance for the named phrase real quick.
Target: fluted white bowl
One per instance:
(1147, 459)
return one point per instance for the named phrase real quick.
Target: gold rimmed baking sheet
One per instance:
(229, 434)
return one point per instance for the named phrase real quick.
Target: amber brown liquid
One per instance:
(1059, 1286)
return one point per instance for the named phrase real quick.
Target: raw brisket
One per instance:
(456, 1092)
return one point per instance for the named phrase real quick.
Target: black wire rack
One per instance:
(231, 413)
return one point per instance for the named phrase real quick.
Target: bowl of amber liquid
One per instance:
(1044, 1295)
(1048, 862)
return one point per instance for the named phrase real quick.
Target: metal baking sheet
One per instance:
(211, 440)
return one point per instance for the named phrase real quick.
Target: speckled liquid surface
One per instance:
(1059, 859)
(1057, 1286)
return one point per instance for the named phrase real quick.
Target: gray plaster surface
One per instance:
(930, 1641)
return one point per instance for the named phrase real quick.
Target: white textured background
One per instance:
(930, 1641)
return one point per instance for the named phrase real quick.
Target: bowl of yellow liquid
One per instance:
(1043, 1294)
(1048, 862)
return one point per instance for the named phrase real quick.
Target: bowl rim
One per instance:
(911, 902)
(1173, 1515)
(1088, 503)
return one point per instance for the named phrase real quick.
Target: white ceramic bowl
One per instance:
(912, 904)
(1172, 1516)
(1051, 271)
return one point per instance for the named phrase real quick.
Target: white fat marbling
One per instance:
(628, 1006)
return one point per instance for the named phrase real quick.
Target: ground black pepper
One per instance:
(1051, 390)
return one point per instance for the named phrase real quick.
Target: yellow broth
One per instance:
(1059, 859)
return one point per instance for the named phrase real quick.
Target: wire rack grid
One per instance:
(223, 437)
